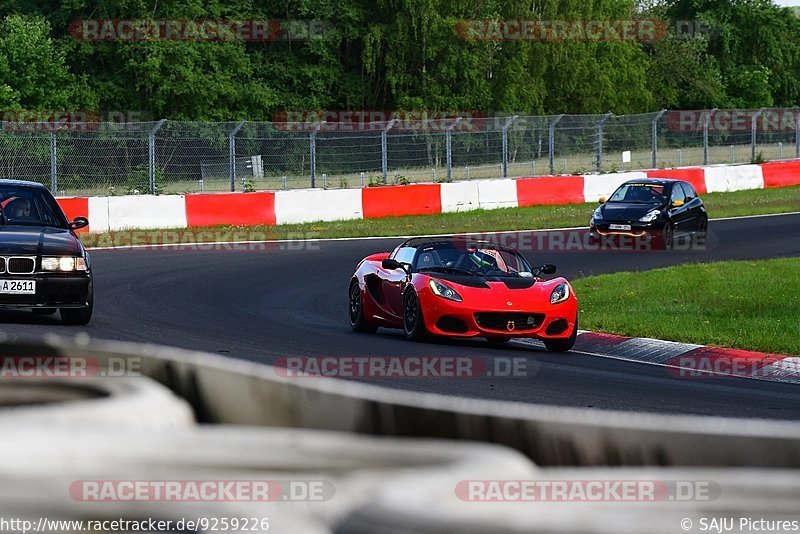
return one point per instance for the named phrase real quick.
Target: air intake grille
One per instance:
(20, 265)
(509, 321)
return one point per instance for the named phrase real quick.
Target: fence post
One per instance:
(655, 136)
(313, 147)
(551, 141)
(385, 150)
(152, 154)
(753, 139)
(598, 158)
(232, 154)
(706, 119)
(53, 165)
(448, 136)
(506, 126)
(797, 136)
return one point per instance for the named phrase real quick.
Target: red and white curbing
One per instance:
(688, 361)
(311, 205)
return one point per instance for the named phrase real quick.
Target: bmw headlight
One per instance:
(64, 264)
(651, 216)
(560, 293)
(443, 290)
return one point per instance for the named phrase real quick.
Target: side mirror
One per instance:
(391, 265)
(78, 223)
(547, 268)
(603, 200)
(677, 203)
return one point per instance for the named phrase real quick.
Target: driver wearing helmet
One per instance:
(482, 261)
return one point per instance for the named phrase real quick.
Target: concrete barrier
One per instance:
(734, 178)
(312, 205)
(493, 194)
(460, 196)
(238, 392)
(309, 205)
(370, 483)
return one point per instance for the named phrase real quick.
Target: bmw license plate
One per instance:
(18, 287)
(619, 226)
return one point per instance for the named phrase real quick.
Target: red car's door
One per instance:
(395, 280)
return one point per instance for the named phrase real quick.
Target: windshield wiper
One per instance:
(443, 269)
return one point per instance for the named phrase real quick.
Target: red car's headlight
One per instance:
(560, 293)
(443, 290)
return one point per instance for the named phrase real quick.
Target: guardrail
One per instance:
(237, 392)
(334, 434)
(311, 205)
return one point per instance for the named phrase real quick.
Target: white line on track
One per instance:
(374, 238)
(533, 343)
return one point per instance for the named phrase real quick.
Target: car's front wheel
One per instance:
(563, 345)
(357, 320)
(702, 232)
(669, 236)
(413, 323)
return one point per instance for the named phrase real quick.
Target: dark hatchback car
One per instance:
(43, 265)
(666, 209)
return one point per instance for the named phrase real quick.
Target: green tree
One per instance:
(33, 70)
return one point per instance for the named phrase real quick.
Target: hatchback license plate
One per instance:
(619, 226)
(18, 287)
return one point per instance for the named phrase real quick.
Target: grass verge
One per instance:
(743, 305)
(739, 203)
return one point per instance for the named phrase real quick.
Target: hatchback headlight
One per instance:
(651, 216)
(560, 293)
(64, 264)
(443, 290)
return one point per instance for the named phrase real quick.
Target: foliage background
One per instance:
(398, 54)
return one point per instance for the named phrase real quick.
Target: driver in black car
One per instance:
(18, 208)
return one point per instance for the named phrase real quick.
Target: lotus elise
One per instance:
(453, 288)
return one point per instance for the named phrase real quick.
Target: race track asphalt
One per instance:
(291, 300)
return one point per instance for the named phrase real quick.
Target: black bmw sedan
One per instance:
(667, 209)
(43, 265)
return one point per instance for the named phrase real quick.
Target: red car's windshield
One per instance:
(478, 260)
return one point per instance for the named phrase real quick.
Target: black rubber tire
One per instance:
(356, 307)
(498, 340)
(413, 323)
(563, 345)
(669, 236)
(44, 311)
(702, 233)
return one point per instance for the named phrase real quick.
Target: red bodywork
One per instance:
(383, 290)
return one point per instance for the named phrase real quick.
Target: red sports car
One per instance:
(449, 287)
